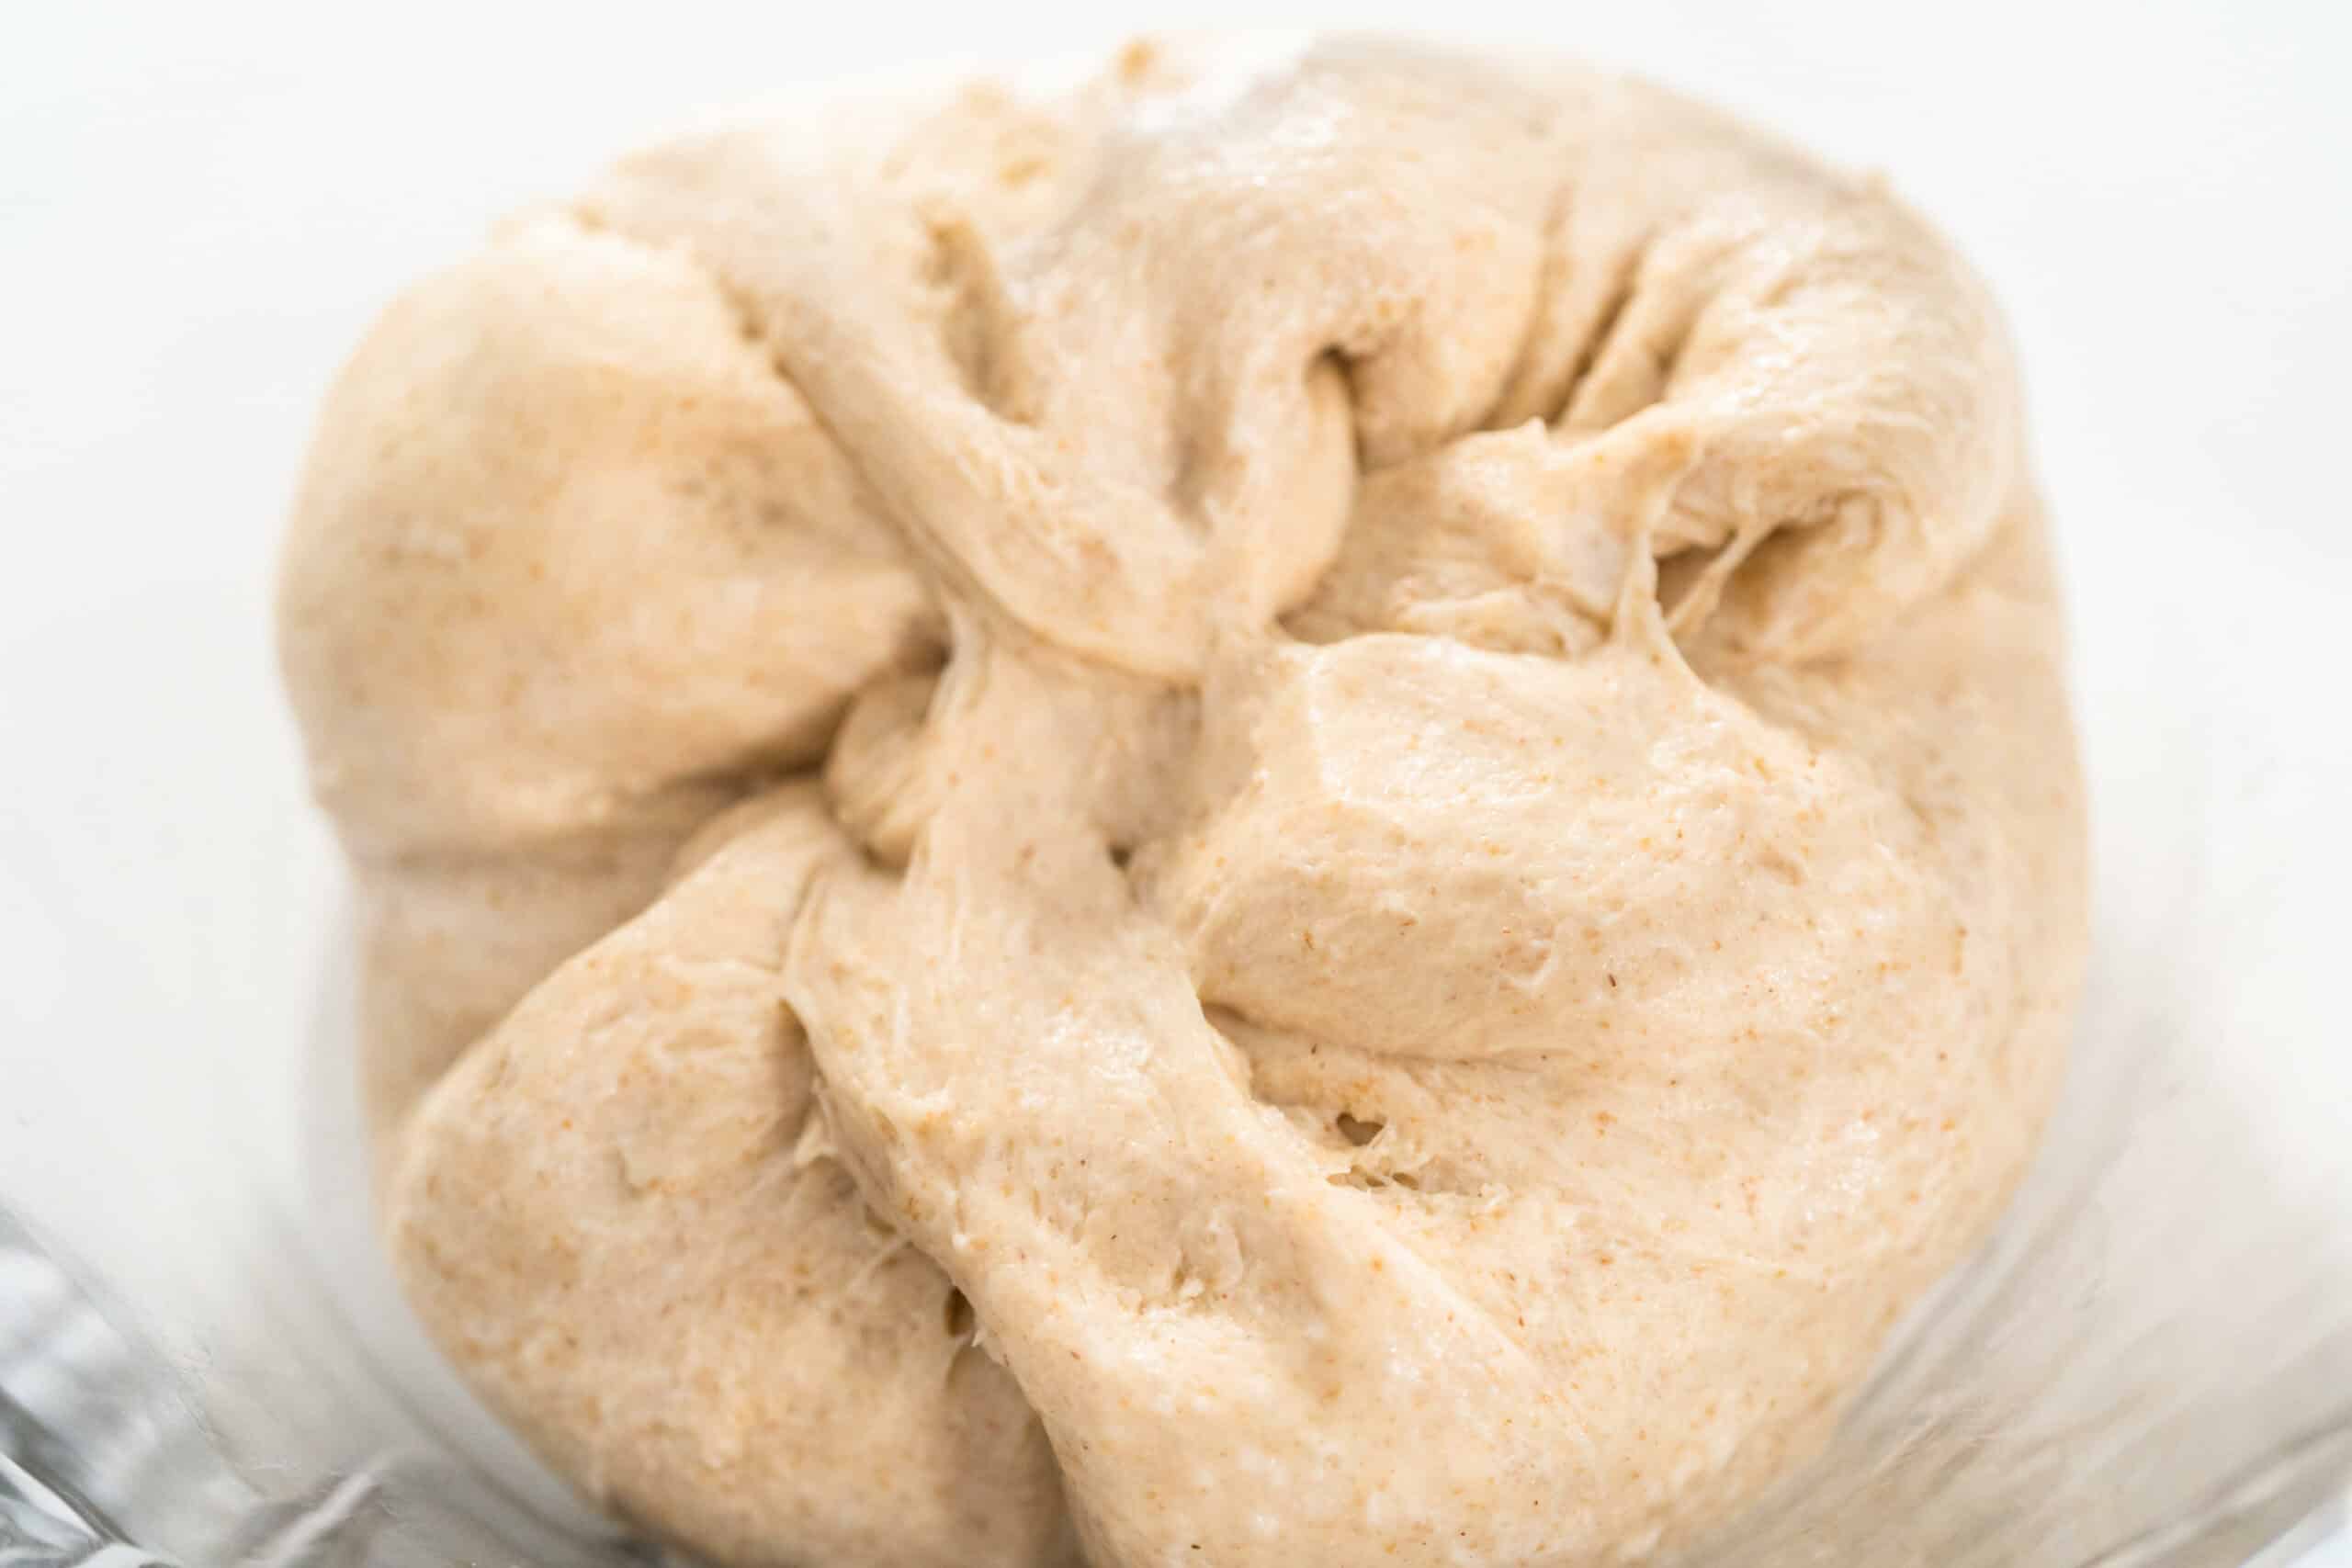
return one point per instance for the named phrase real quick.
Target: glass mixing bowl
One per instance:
(202, 1362)
(200, 1359)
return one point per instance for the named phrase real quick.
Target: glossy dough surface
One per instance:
(1311, 808)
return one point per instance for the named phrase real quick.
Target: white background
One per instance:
(202, 206)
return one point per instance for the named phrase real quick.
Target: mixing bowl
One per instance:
(201, 1360)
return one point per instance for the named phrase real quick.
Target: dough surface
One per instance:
(1307, 807)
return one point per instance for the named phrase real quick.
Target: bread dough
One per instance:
(1350, 785)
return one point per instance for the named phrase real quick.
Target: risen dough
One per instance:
(1407, 849)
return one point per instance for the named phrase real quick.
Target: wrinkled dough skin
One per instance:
(1299, 810)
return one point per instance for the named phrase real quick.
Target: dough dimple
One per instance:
(1310, 808)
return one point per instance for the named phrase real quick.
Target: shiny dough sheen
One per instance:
(1310, 806)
